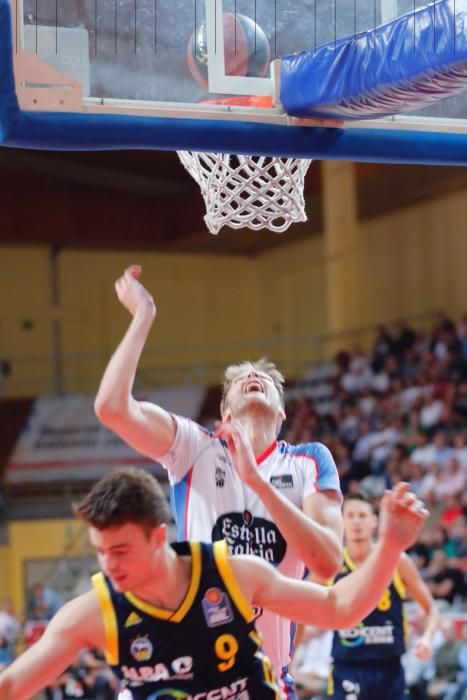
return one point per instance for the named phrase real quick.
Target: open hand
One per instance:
(131, 293)
(402, 517)
(423, 649)
(240, 450)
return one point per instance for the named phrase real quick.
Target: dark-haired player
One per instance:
(367, 656)
(176, 621)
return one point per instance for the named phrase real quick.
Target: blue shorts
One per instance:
(367, 680)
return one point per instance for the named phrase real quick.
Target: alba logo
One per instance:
(141, 649)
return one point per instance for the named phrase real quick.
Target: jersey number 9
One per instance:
(226, 647)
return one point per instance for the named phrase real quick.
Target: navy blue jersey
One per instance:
(381, 635)
(367, 680)
(207, 649)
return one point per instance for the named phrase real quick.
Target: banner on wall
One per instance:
(63, 440)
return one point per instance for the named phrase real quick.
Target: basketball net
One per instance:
(253, 191)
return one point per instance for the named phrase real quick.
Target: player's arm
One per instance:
(421, 594)
(348, 601)
(316, 531)
(300, 631)
(76, 625)
(323, 550)
(148, 428)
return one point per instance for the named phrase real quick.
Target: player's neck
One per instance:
(359, 551)
(169, 584)
(260, 431)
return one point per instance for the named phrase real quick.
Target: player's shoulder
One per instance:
(184, 423)
(406, 567)
(314, 451)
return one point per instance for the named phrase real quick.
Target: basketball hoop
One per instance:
(253, 191)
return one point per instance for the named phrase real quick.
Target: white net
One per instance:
(253, 191)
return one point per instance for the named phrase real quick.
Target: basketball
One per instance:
(246, 49)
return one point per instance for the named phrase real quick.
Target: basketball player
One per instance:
(285, 508)
(367, 657)
(176, 621)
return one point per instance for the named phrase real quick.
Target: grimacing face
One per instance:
(126, 554)
(360, 522)
(252, 388)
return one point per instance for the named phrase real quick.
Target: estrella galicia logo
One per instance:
(245, 534)
(248, 518)
(282, 481)
(141, 648)
(216, 607)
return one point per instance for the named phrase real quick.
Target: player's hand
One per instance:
(132, 294)
(241, 451)
(402, 517)
(423, 649)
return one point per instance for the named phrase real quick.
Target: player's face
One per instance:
(126, 555)
(359, 521)
(253, 390)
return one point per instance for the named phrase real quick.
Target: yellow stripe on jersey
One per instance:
(194, 583)
(330, 684)
(348, 561)
(109, 618)
(399, 584)
(221, 557)
(269, 677)
(396, 579)
(405, 628)
(187, 602)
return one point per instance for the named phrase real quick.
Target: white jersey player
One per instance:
(286, 510)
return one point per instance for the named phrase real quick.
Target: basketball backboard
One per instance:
(171, 60)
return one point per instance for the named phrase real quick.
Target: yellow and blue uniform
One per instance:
(207, 649)
(367, 657)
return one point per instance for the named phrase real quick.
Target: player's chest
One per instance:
(221, 481)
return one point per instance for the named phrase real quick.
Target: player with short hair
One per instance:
(367, 656)
(176, 621)
(285, 508)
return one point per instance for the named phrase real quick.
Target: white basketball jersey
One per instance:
(210, 502)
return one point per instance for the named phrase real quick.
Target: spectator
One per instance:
(452, 480)
(382, 347)
(447, 664)
(404, 338)
(443, 579)
(6, 656)
(9, 625)
(460, 449)
(99, 679)
(310, 663)
(43, 602)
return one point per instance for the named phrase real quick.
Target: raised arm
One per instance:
(421, 594)
(75, 626)
(148, 428)
(316, 531)
(353, 597)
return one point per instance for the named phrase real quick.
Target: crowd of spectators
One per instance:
(400, 413)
